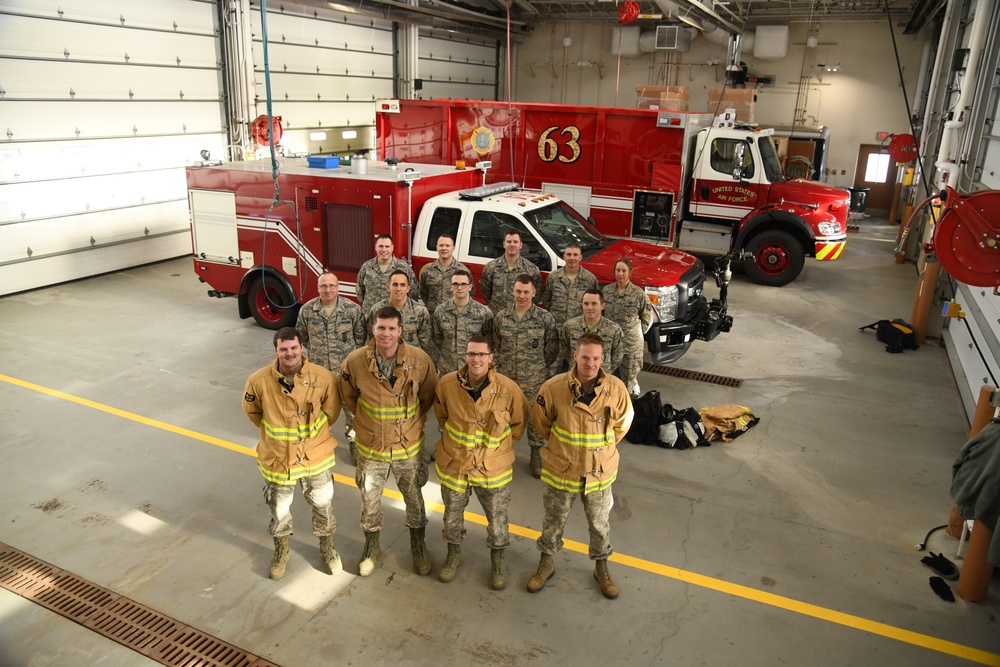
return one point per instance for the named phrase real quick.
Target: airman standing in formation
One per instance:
(436, 276)
(526, 342)
(593, 321)
(389, 385)
(373, 276)
(456, 321)
(481, 414)
(331, 328)
(628, 306)
(564, 288)
(583, 414)
(416, 320)
(499, 275)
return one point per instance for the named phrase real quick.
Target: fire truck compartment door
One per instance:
(213, 226)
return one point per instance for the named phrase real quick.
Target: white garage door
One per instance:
(327, 69)
(102, 104)
(457, 67)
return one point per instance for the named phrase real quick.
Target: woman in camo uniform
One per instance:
(629, 307)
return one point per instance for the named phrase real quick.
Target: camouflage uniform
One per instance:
(631, 311)
(562, 297)
(328, 340)
(614, 341)
(373, 282)
(451, 330)
(435, 281)
(524, 350)
(416, 325)
(497, 281)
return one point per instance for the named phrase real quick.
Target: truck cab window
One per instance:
(486, 238)
(445, 221)
(769, 157)
(724, 158)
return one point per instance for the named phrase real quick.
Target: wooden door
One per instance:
(876, 171)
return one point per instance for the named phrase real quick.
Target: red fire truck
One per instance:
(267, 249)
(705, 185)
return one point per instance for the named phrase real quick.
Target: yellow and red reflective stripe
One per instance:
(829, 251)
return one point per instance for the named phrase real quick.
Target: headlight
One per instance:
(829, 228)
(664, 300)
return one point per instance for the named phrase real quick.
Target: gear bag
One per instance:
(896, 334)
(646, 422)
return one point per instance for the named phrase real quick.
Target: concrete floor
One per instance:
(792, 545)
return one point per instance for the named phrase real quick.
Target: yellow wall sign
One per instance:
(483, 140)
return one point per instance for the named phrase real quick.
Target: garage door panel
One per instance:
(333, 114)
(46, 199)
(455, 91)
(458, 51)
(40, 79)
(188, 15)
(298, 59)
(51, 161)
(32, 121)
(72, 233)
(49, 270)
(302, 87)
(356, 34)
(461, 73)
(43, 38)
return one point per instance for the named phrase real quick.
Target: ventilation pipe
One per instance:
(946, 162)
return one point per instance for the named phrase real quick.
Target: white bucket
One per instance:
(359, 165)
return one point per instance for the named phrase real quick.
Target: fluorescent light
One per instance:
(317, 136)
(349, 134)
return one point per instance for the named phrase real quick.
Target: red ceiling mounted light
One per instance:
(628, 11)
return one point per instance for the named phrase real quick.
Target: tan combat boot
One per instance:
(450, 567)
(536, 462)
(330, 556)
(421, 559)
(546, 568)
(277, 568)
(498, 575)
(608, 586)
(370, 554)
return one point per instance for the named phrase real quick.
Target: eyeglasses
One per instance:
(461, 285)
(478, 355)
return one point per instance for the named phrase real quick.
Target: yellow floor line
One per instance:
(711, 583)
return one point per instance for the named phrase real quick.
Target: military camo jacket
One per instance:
(373, 283)
(451, 330)
(328, 340)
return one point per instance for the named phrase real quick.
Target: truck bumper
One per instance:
(668, 341)
(830, 248)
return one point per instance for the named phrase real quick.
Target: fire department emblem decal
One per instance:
(483, 140)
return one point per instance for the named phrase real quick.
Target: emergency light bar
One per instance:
(484, 191)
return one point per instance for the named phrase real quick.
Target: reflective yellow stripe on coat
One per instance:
(393, 454)
(584, 439)
(460, 485)
(577, 485)
(302, 432)
(477, 439)
(295, 474)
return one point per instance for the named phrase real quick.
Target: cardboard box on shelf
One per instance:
(675, 98)
(742, 100)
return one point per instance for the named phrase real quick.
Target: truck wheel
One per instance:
(266, 297)
(774, 259)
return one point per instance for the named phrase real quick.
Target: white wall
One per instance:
(865, 97)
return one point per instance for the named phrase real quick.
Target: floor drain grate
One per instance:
(125, 621)
(693, 375)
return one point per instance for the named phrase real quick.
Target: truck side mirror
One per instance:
(738, 154)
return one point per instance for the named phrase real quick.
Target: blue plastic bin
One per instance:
(324, 161)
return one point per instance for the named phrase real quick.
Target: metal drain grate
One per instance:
(125, 621)
(693, 375)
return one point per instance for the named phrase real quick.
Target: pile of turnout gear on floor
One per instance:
(658, 423)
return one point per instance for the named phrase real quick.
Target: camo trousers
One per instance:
(410, 474)
(495, 503)
(318, 491)
(596, 504)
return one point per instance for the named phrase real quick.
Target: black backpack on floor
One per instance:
(896, 334)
